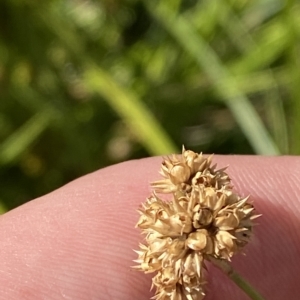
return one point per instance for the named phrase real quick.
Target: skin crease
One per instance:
(76, 242)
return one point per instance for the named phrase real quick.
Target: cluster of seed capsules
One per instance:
(203, 219)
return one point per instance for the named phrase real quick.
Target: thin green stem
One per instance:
(236, 278)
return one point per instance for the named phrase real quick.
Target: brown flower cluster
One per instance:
(204, 218)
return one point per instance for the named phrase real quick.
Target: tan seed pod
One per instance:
(204, 218)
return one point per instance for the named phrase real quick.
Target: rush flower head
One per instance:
(189, 169)
(204, 219)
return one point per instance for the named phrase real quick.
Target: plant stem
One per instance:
(236, 278)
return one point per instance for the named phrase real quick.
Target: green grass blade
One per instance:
(22, 138)
(3, 208)
(131, 110)
(271, 41)
(224, 83)
(124, 102)
(241, 37)
(291, 18)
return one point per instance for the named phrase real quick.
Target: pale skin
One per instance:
(76, 242)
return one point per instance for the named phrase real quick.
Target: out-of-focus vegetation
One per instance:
(85, 84)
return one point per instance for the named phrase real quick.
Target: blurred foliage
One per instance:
(85, 84)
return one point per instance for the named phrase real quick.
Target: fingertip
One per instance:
(77, 241)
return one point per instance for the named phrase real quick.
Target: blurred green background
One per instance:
(85, 84)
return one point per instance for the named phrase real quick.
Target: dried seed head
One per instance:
(181, 172)
(204, 218)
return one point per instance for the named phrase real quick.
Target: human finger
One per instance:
(76, 243)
